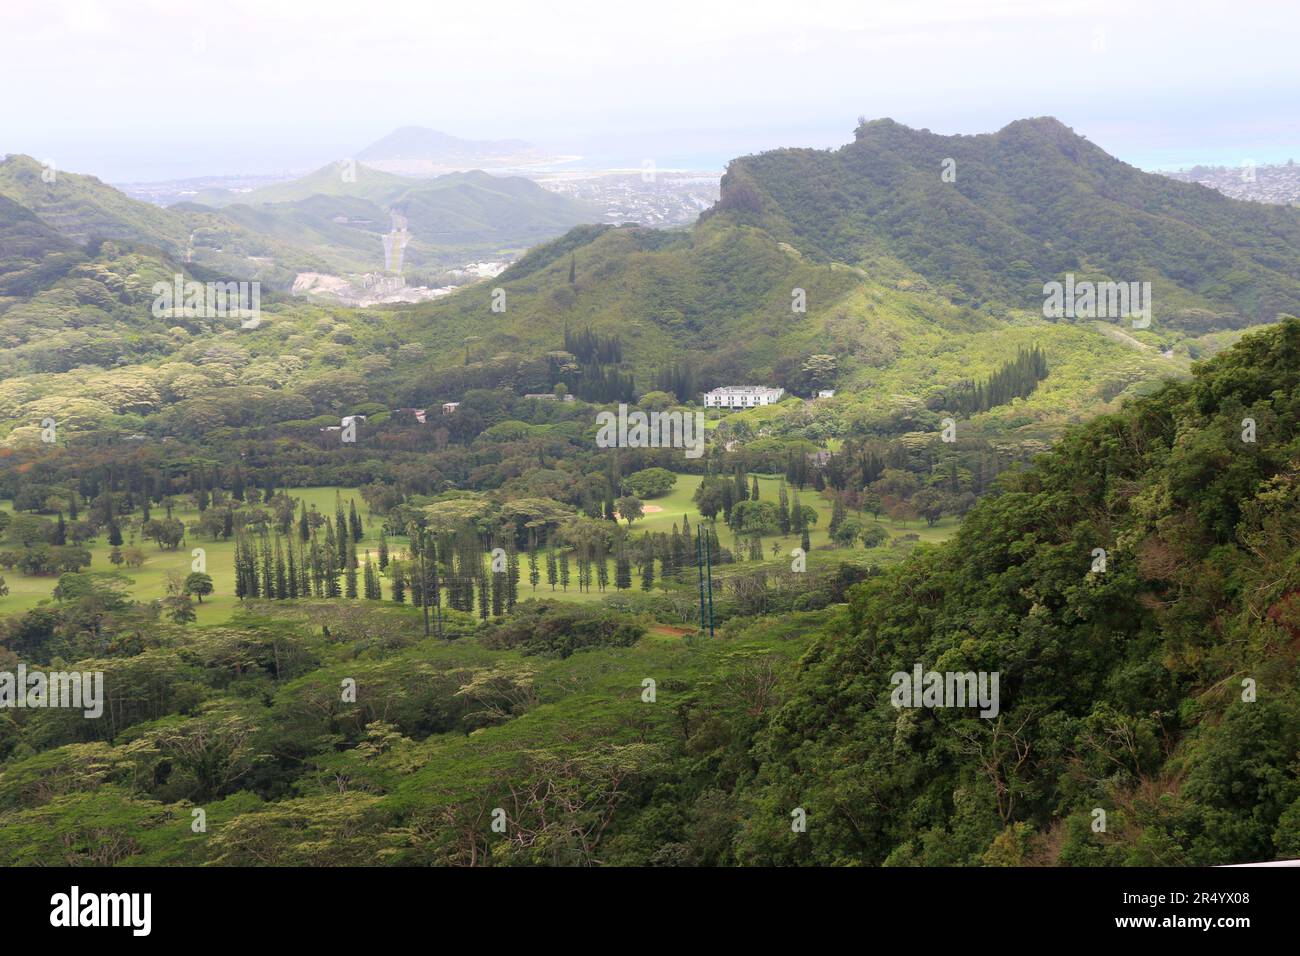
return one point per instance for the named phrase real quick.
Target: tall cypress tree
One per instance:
(602, 566)
(281, 573)
(622, 571)
(512, 577)
(268, 570)
(354, 522)
(397, 581)
(498, 593)
(372, 591)
(647, 564)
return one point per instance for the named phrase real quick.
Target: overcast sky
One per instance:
(152, 89)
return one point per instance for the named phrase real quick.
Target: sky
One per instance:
(141, 90)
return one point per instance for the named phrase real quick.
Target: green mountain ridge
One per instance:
(1161, 689)
(354, 180)
(320, 223)
(1028, 204)
(450, 218)
(32, 255)
(912, 284)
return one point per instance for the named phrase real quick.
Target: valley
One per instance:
(426, 588)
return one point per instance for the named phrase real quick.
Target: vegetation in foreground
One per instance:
(1181, 721)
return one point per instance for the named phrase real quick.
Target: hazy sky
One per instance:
(138, 89)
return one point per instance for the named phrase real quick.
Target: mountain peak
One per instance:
(430, 145)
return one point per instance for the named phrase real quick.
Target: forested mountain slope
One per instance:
(333, 220)
(1023, 206)
(1163, 690)
(1156, 695)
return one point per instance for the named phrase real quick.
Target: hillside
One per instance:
(322, 223)
(32, 255)
(419, 151)
(352, 181)
(451, 219)
(82, 208)
(912, 284)
(1028, 204)
(715, 301)
(1161, 691)
(418, 142)
(477, 208)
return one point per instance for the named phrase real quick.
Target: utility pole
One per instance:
(417, 540)
(437, 593)
(708, 563)
(699, 567)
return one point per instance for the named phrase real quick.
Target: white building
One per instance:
(742, 396)
(826, 393)
(548, 397)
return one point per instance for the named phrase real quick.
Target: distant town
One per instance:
(1272, 183)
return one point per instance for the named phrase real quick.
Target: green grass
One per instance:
(150, 581)
(679, 502)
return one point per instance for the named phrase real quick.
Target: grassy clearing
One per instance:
(150, 581)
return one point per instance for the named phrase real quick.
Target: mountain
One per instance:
(1160, 689)
(451, 219)
(915, 287)
(881, 301)
(1027, 205)
(418, 142)
(475, 207)
(329, 221)
(342, 179)
(32, 255)
(82, 207)
(418, 151)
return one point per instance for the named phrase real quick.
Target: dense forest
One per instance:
(364, 585)
(1158, 688)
